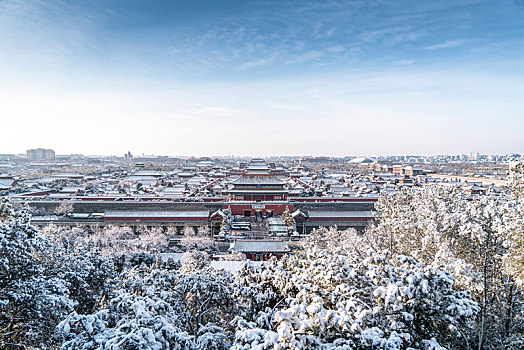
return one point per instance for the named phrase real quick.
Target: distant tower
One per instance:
(128, 155)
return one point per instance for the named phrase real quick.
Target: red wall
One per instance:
(263, 256)
(278, 209)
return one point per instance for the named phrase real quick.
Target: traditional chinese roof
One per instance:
(258, 191)
(340, 214)
(258, 180)
(259, 246)
(156, 214)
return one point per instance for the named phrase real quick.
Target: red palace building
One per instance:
(260, 185)
(257, 183)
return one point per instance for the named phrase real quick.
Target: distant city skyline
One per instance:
(130, 155)
(260, 78)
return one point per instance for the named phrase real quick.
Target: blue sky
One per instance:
(262, 77)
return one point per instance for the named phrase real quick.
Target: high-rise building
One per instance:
(40, 154)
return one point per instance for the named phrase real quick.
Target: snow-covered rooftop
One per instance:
(259, 246)
(156, 214)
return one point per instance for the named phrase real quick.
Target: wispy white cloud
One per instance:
(403, 62)
(325, 34)
(408, 36)
(373, 35)
(259, 62)
(307, 56)
(336, 49)
(444, 45)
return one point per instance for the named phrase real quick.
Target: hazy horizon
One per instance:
(143, 155)
(256, 78)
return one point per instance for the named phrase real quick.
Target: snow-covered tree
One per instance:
(515, 240)
(288, 220)
(418, 221)
(516, 179)
(158, 309)
(171, 231)
(31, 300)
(234, 256)
(88, 274)
(188, 231)
(440, 228)
(65, 207)
(227, 224)
(337, 241)
(112, 239)
(203, 231)
(195, 261)
(130, 321)
(320, 299)
(151, 240)
(199, 239)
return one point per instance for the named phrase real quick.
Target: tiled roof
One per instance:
(255, 180)
(156, 214)
(259, 246)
